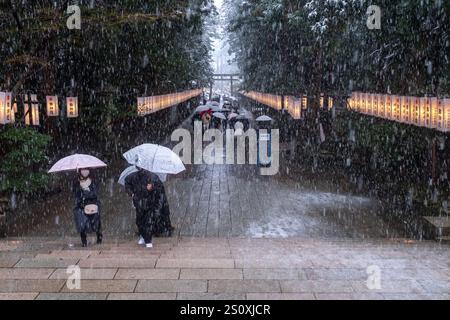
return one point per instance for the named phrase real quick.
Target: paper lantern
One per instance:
(396, 108)
(446, 108)
(369, 104)
(405, 109)
(435, 112)
(381, 104)
(72, 107)
(358, 102)
(156, 103)
(350, 101)
(6, 111)
(279, 103)
(415, 110)
(425, 112)
(3, 119)
(439, 114)
(330, 103)
(363, 102)
(141, 106)
(31, 110)
(304, 102)
(34, 110)
(152, 105)
(297, 109)
(388, 106)
(292, 104)
(322, 99)
(9, 107)
(286, 103)
(26, 110)
(375, 100)
(52, 106)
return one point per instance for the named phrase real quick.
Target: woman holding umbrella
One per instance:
(87, 206)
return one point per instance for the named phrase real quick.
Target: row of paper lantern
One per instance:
(148, 105)
(430, 112)
(271, 100)
(8, 108)
(293, 105)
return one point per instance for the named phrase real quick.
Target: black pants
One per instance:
(98, 224)
(145, 222)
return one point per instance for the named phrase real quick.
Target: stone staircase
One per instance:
(223, 268)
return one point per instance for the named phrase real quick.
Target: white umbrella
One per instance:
(264, 119)
(219, 115)
(200, 109)
(75, 162)
(232, 115)
(215, 108)
(155, 158)
(133, 169)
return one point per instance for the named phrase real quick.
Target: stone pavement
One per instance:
(225, 201)
(225, 268)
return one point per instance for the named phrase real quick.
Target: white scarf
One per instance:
(85, 184)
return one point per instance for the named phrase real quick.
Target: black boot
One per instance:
(83, 240)
(99, 238)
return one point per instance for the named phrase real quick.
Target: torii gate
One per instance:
(232, 77)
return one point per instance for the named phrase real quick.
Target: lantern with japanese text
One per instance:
(10, 116)
(52, 106)
(436, 112)
(72, 107)
(440, 114)
(425, 112)
(446, 108)
(388, 107)
(304, 102)
(396, 108)
(405, 109)
(10, 107)
(375, 100)
(415, 110)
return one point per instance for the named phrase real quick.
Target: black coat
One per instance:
(85, 197)
(152, 207)
(86, 223)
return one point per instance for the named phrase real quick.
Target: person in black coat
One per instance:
(87, 206)
(152, 207)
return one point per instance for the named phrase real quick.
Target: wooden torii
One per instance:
(231, 77)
